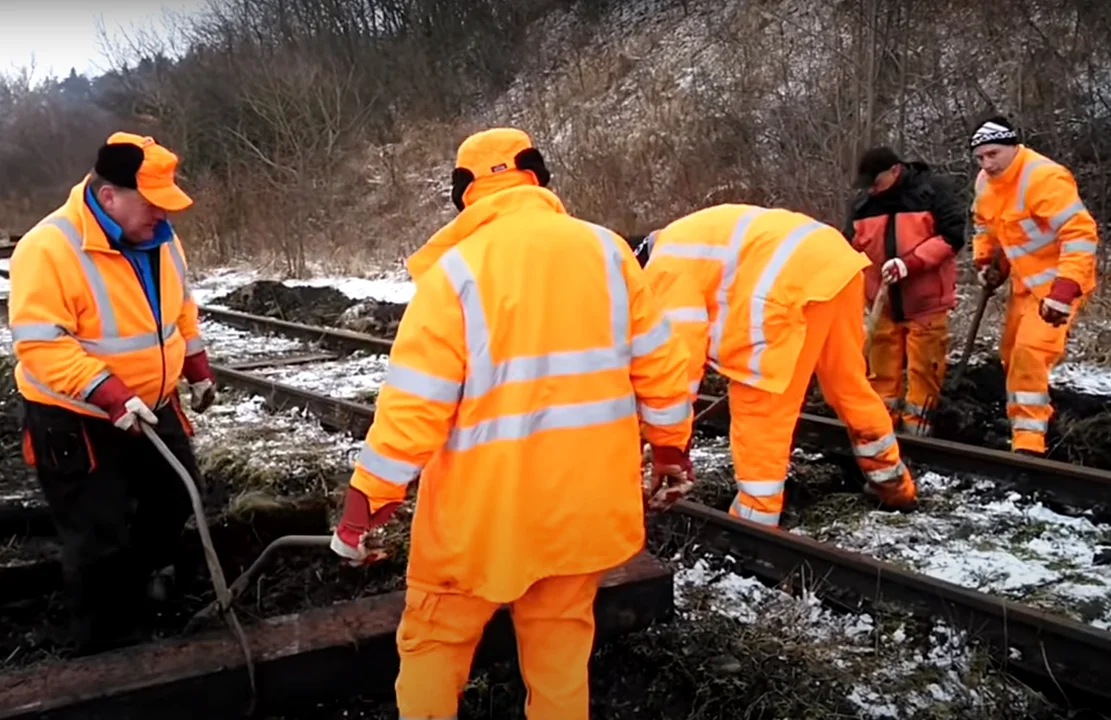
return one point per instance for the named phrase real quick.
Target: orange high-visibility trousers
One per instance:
(554, 624)
(763, 423)
(917, 348)
(1029, 349)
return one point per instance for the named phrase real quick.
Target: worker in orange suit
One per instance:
(768, 297)
(524, 368)
(103, 327)
(1030, 225)
(907, 220)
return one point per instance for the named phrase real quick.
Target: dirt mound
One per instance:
(300, 304)
(373, 317)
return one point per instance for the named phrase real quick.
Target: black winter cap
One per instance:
(872, 163)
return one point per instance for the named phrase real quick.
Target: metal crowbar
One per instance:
(219, 584)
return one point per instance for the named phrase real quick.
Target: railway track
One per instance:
(1073, 486)
(1058, 652)
(319, 647)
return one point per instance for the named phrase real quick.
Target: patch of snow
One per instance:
(1004, 547)
(1082, 377)
(889, 677)
(352, 378)
(286, 443)
(392, 287)
(227, 344)
(219, 282)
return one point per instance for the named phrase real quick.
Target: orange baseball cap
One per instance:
(493, 151)
(140, 163)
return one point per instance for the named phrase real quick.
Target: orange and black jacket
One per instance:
(920, 220)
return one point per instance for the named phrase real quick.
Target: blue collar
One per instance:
(163, 231)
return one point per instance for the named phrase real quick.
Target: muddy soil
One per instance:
(301, 304)
(35, 628)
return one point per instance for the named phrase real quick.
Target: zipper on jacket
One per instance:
(156, 312)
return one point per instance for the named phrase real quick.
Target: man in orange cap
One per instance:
(528, 360)
(103, 327)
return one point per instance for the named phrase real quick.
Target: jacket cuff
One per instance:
(1064, 290)
(196, 368)
(110, 396)
(914, 263)
(666, 455)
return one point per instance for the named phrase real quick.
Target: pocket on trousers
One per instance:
(65, 450)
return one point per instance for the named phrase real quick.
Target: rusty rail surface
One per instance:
(301, 659)
(1064, 483)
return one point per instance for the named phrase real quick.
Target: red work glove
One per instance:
(350, 535)
(1057, 306)
(672, 477)
(124, 407)
(202, 381)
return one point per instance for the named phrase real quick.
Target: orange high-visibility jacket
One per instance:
(734, 279)
(1033, 211)
(77, 313)
(522, 369)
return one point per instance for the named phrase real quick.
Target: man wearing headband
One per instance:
(1030, 225)
(104, 326)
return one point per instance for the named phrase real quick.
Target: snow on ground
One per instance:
(890, 676)
(281, 444)
(355, 377)
(230, 345)
(1082, 377)
(392, 286)
(966, 534)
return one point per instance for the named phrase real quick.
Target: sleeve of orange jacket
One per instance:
(659, 365)
(1055, 204)
(187, 321)
(984, 244)
(43, 321)
(685, 308)
(417, 403)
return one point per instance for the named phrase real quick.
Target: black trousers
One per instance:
(119, 509)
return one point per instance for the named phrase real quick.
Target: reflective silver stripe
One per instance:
(979, 229)
(1024, 180)
(728, 276)
(687, 314)
(1022, 397)
(875, 447)
(1038, 279)
(92, 385)
(421, 384)
(761, 488)
(758, 516)
(1029, 424)
(484, 375)
(1079, 246)
(915, 410)
(763, 289)
(194, 345)
(179, 264)
(129, 343)
(111, 342)
(554, 417)
(669, 415)
(693, 252)
(36, 331)
(93, 409)
(884, 475)
(393, 471)
(108, 326)
(649, 341)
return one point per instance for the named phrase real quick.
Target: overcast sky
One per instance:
(60, 34)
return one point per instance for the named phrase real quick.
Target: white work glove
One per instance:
(201, 395)
(1054, 312)
(134, 411)
(894, 270)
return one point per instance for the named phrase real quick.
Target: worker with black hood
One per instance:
(908, 221)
